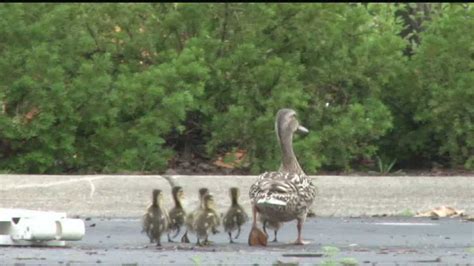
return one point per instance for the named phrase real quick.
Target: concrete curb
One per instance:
(128, 195)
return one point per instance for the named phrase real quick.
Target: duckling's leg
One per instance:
(158, 241)
(230, 237)
(149, 235)
(265, 230)
(184, 238)
(169, 238)
(238, 233)
(177, 232)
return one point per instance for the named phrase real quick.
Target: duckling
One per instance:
(206, 221)
(156, 220)
(177, 213)
(146, 218)
(235, 216)
(288, 193)
(190, 217)
(274, 225)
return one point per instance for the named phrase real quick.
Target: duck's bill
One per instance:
(302, 129)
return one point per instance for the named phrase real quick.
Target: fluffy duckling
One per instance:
(177, 213)
(190, 217)
(235, 216)
(206, 221)
(274, 225)
(146, 218)
(155, 220)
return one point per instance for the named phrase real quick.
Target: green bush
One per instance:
(444, 79)
(105, 97)
(125, 87)
(433, 104)
(330, 62)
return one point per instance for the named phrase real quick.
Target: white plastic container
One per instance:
(26, 227)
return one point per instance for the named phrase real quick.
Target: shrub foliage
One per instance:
(124, 87)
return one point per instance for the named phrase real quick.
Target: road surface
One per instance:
(362, 241)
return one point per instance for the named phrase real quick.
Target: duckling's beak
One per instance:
(302, 129)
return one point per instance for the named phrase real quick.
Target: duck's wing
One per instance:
(216, 218)
(305, 189)
(228, 221)
(242, 217)
(278, 188)
(272, 183)
(146, 221)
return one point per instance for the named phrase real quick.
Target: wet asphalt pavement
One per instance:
(341, 241)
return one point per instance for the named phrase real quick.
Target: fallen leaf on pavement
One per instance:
(442, 211)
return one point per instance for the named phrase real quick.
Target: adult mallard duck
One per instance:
(235, 216)
(155, 220)
(288, 193)
(206, 220)
(177, 213)
(190, 217)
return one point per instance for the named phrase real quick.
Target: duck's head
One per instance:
(287, 124)
(208, 201)
(157, 196)
(202, 192)
(234, 192)
(177, 192)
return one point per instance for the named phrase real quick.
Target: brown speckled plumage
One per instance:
(288, 193)
(189, 220)
(155, 220)
(235, 217)
(177, 214)
(206, 220)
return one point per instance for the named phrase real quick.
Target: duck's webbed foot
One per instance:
(256, 236)
(299, 242)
